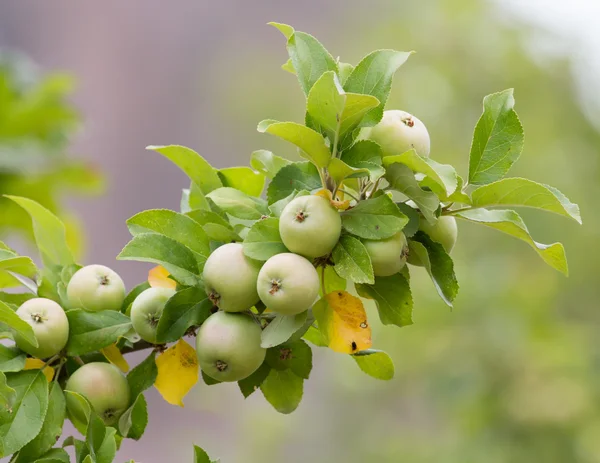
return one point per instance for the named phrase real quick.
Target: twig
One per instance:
(140, 345)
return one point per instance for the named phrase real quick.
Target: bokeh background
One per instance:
(513, 373)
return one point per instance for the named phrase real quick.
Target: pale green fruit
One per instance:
(50, 326)
(445, 231)
(398, 132)
(147, 309)
(388, 256)
(230, 278)
(95, 288)
(104, 386)
(310, 226)
(228, 346)
(288, 284)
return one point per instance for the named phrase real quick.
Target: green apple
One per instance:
(388, 256)
(288, 284)
(104, 386)
(228, 346)
(310, 226)
(398, 132)
(445, 231)
(230, 278)
(95, 288)
(147, 309)
(50, 326)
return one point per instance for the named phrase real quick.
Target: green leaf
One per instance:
(10, 318)
(51, 429)
(133, 422)
(365, 154)
(49, 233)
(281, 329)
(311, 143)
(143, 376)
(375, 363)
(438, 264)
(497, 141)
(413, 219)
(309, 57)
(95, 433)
(288, 66)
(8, 395)
(162, 250)
(215, 226)
(195, 166)
(252, 383)
(510, 222)
(374, 219)
(345, 69)
(402, 179)
(352, 261)
(188, 307)
(8, 280)
(208, 380)
(178, 227)
(336, 111)
(263, 240)
(11, 359)
(244, 179)
(526, 193)
(238, 204)
(443, 175)
(295, 356)
(266, 162)
(373, 76)
(54, 456)
(393, 299)
(200, 456)
(278, 206)
(78, 411)
(339, 171)
(91, 331)
(108, 449)
(15, 298)
(333, 282)
(131, 296)
(24, 421)
(295, 177)
(283, 390)
(18, 264)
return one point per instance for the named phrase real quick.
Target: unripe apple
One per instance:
(147, 309)
(388, 256)
(104, 386)
(95, 288)
(398, 132)
(288, 284)
(228, 346)
(445, 232)
(230, 278)
(50, 326)
(310, 226)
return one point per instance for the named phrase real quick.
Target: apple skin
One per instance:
(50, 326)
(288, 284)
(95, 288)
(388, 256)
(228, 346)
(398, 132)
(104, 386)
(147, 309)
(230, 278)
(445, 232)
(310, 226)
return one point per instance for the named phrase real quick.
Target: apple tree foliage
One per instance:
(377, 197)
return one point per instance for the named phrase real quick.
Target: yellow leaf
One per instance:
(158, 277)
(36, 364)
(337, 203)
(114, 356)
(177, 372)
(343, 322)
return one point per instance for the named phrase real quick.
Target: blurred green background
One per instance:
(512, 374)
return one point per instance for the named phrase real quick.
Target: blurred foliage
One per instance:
(37, 122)
(513, 373)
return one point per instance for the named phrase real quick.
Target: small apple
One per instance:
(95, 288)
(398, 132)
(388, 256)
(147, 309)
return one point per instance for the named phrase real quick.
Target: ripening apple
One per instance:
(50, 327)
(95, 288)
(388, 256)
(288, 284)
(228, 346)
(104, 386)
(230, 278)
(147, 309)
(310, 226)
(398, 132)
